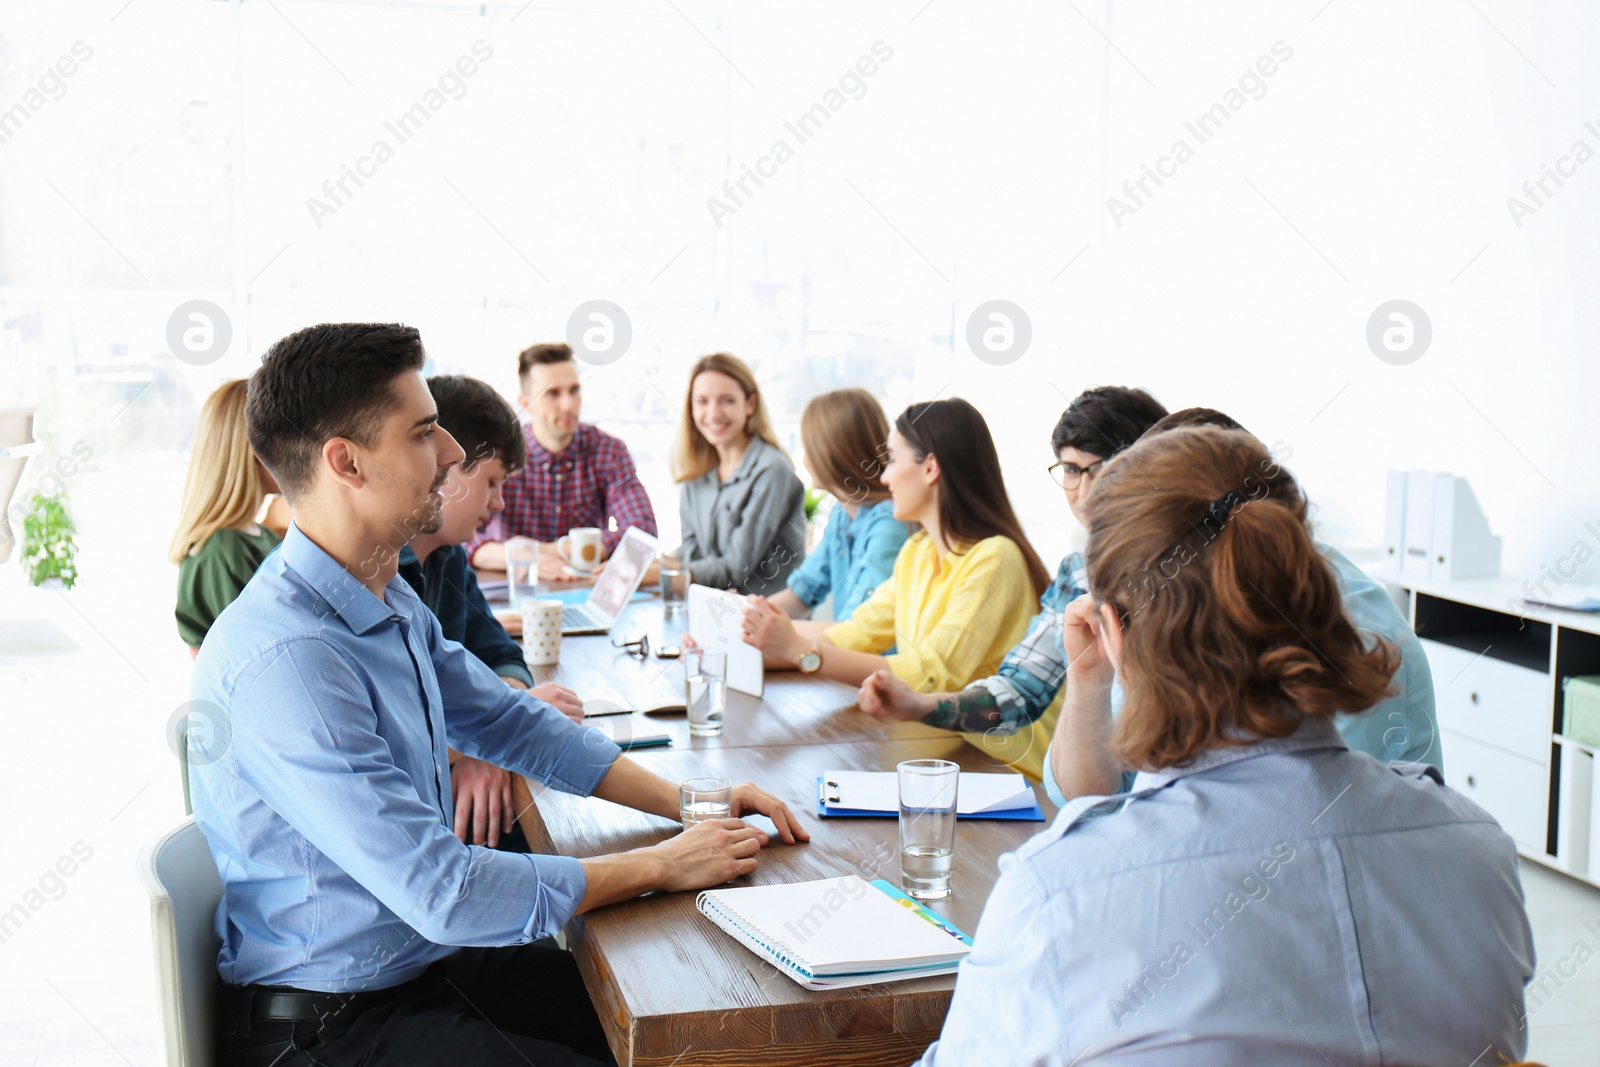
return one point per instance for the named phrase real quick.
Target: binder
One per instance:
(1419, 525)
(838, 932)
(1394, 522)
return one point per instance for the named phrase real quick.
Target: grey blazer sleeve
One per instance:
(769, 539)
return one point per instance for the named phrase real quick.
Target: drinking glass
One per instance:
(700, 799)
(522, 568)
(705, 685)
(675, 580)
(927, 826)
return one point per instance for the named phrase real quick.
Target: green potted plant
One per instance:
(48, 548)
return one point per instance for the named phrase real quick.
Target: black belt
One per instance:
(284, 1004)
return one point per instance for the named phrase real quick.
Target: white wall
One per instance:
(976, 164)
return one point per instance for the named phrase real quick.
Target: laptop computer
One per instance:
(614, 588)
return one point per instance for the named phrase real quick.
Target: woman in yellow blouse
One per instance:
(963, 588)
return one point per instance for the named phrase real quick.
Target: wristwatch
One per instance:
(811, 661)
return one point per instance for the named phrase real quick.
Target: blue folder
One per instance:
(1033, 814)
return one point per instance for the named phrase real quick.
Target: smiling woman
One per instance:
(743, 508)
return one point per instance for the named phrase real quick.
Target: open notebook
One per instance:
(838, 932)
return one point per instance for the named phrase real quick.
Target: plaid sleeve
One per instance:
(1033, 672)
(627, 503)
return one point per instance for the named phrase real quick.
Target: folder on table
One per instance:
(631, 730)
(838, 932)
(978, 796)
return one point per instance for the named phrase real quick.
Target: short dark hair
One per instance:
(1194, 417)
(480, 420)
(533, 355)
(1106, 419)
(322, 382)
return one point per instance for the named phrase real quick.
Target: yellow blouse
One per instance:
(950, 622)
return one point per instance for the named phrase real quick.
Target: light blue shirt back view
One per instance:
(322, 783)
(855, 556)
(1290, 903)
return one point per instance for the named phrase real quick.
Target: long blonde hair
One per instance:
(694, 455)
(224, 486)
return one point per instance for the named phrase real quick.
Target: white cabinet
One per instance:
(1509, 787)
(1491, 701)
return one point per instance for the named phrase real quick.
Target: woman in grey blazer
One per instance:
(742, 508)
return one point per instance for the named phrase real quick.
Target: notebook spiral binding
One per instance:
(744, 930)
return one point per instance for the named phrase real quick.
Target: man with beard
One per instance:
(348, 903)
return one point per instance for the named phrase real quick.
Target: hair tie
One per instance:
(1221, 509)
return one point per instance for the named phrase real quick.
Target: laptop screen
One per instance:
(622, 574)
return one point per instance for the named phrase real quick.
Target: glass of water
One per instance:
(700, 799)
(927, 826)
(522, 569)
(674, 585)
(705, 690)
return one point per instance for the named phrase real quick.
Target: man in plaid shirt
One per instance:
(576, 474)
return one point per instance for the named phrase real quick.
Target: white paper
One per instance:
(715, 621)
(880, 791)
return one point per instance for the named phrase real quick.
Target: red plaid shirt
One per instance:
(590, 483)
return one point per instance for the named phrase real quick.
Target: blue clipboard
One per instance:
(1033, 814)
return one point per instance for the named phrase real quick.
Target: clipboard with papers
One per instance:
(851, 794)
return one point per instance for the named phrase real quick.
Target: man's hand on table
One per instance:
(748, 798)
(484, 807)
(562, 699)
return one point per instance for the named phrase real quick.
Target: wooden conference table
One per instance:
(673, 989)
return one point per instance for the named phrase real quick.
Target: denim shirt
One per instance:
(1290, 903)
(856, 556)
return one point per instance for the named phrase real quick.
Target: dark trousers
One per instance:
(498, 1007)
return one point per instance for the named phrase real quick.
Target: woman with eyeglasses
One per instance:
(1264, 894)
(1011, 712)
(963, 587)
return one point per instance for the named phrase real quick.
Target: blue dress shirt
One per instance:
(1290, 903)
(1403, 728)
(323, 788)
(856, 556)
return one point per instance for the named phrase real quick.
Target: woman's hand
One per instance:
(772, 631)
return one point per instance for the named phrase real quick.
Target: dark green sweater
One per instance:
(211, 578)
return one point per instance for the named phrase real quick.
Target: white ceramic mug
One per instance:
(581, 548)
(541, 632)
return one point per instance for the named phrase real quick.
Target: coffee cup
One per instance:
(541, 632)
(581, 548)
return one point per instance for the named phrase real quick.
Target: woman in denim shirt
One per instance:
(843, 434)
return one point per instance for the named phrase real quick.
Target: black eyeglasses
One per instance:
(638, 648)
(1070, 475)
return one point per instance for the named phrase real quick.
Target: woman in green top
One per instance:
(219, 544)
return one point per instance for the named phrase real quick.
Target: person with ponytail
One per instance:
(219, 544)
(963, 588)
(1403, 727)
(1263, 894)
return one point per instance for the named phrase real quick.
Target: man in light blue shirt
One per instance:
(323, 786)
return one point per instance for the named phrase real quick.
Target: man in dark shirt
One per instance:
(435, 566)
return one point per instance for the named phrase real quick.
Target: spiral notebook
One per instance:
(838, 932)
